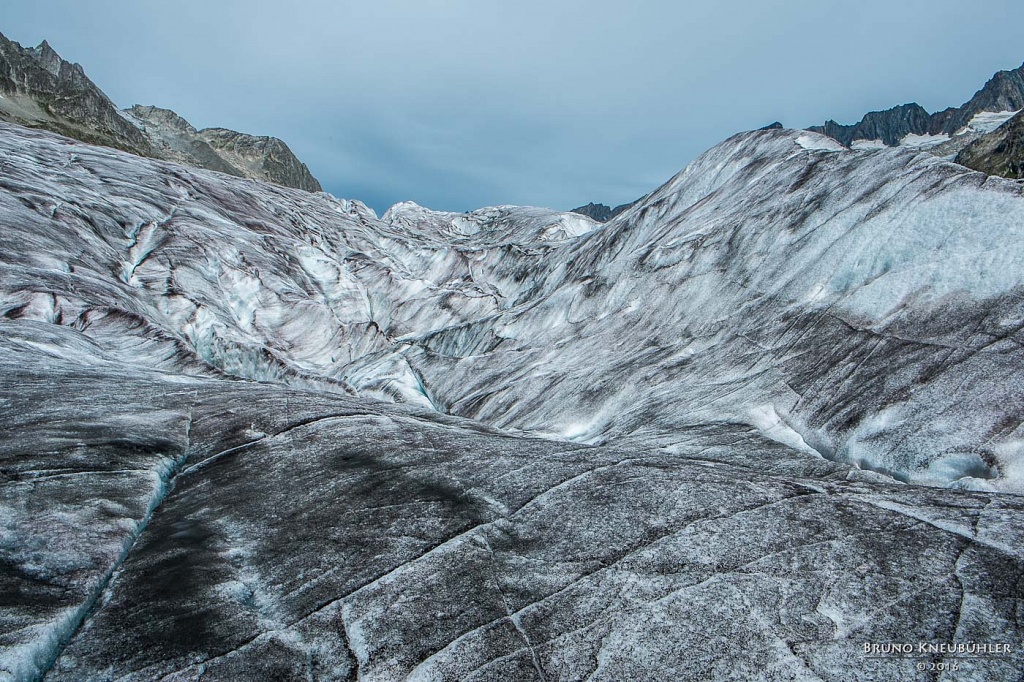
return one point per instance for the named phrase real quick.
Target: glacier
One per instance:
(768, 413)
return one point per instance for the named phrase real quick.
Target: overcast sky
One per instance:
(457, 104)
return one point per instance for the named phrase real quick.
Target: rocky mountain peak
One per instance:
(48, 58)
(44, 90)
(160, 116)
(600, 212)
(1004, 92)
(1000, 152)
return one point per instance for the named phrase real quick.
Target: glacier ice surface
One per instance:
(254, 432)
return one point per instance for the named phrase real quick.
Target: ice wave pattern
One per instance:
(726, 379)
(860, 306)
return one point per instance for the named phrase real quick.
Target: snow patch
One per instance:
(987, 121)
(821, 143)
(570, 226)
(868, 144)
(923, 141)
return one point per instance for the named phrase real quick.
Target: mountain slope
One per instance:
(953, 128)
(175, 139)
(40, 89)
(1000, 152)
(261, 157)
(248, 156)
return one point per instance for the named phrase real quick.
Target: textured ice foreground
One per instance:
(687, 426)
(305, 536)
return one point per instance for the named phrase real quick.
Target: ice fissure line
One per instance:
(513, 616)
(80, 616)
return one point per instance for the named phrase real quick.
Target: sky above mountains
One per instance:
(457, 104)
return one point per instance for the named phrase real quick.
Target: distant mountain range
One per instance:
(973, 134)
(600, 212)
(1004, 92)
(40, 89)
(986, 133)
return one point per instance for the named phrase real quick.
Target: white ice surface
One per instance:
(867, 144)
(816, 142)
(987, 121)
(923, 141)
(697, 307)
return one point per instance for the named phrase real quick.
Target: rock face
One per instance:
(259, 158)
(890, 126)
(252, 432)
(602, 213)
(173, 138)
(40, 89)
(1004, 92)
(1001, 152)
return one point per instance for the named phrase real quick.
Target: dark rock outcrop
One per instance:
(602, 213)
(890, 126)
(1001, 152)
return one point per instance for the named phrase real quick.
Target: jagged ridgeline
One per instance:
(602, 213)
(956, 126)
(40, 89)
(979, 123)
